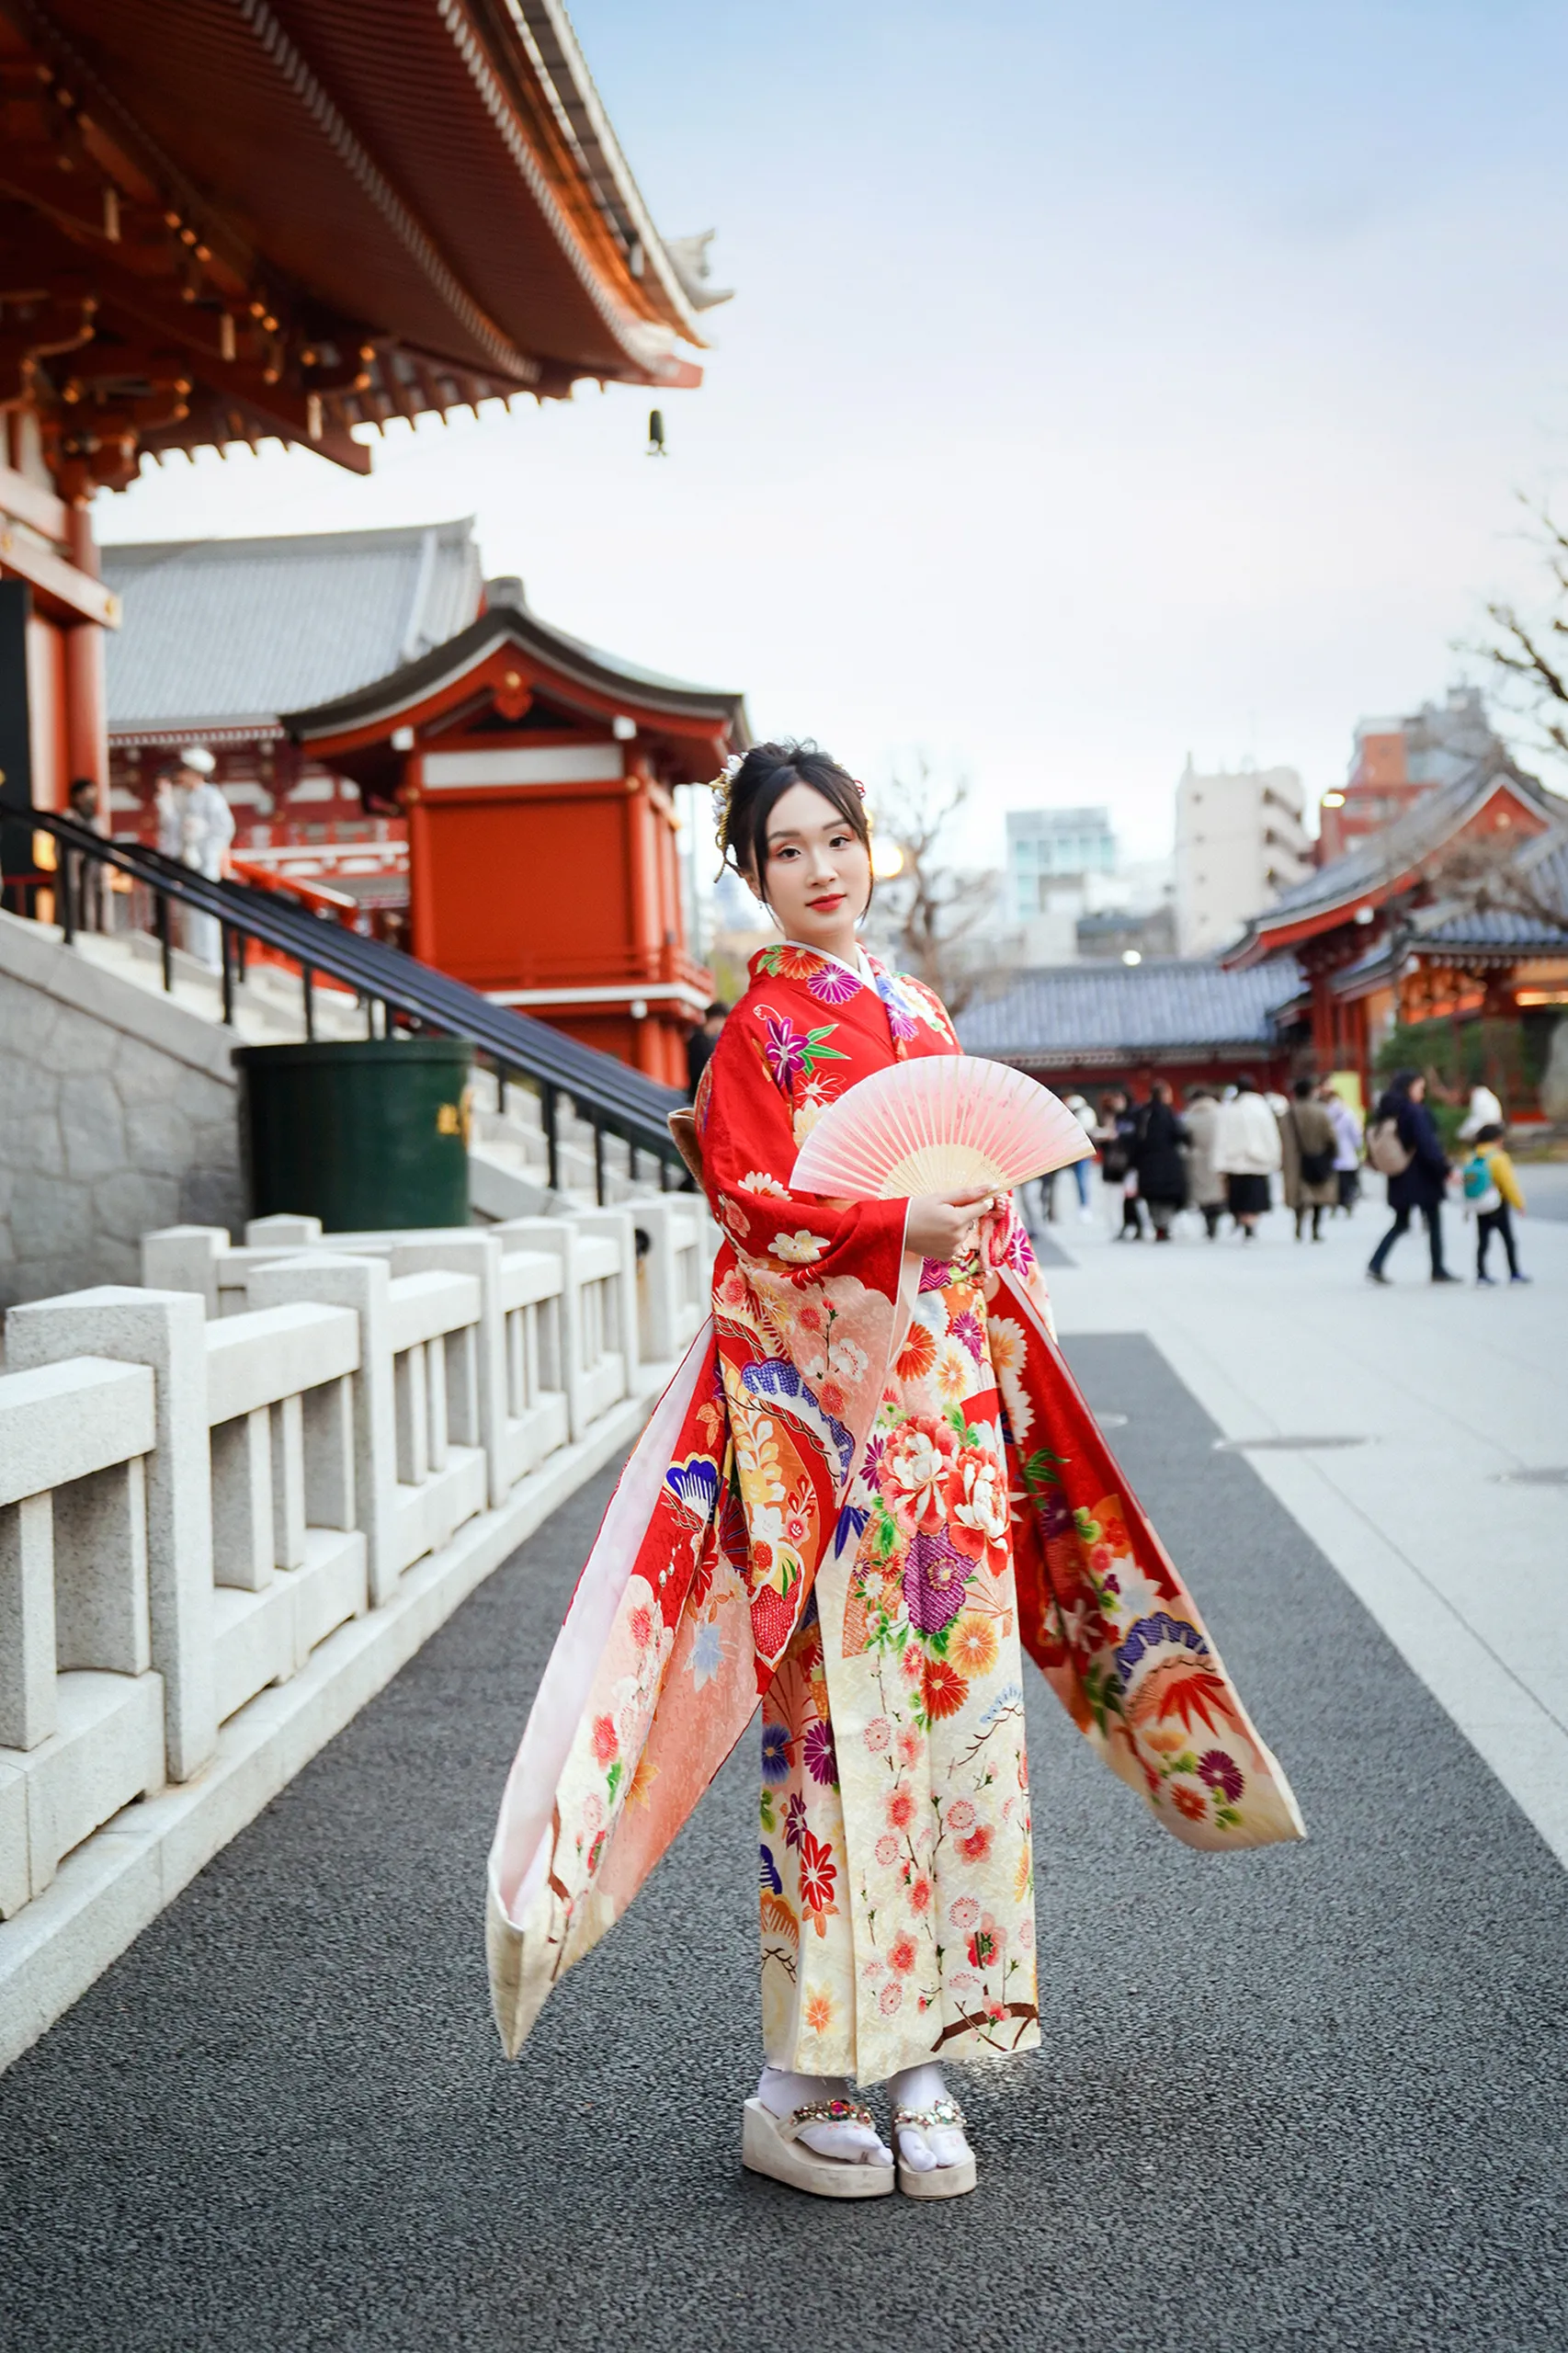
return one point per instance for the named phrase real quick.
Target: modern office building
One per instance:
(1239, 842)
(1057, 862)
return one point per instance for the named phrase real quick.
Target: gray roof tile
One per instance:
(218, 630)
(1117, 1009)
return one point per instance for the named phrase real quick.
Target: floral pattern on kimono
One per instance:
(817, 1508)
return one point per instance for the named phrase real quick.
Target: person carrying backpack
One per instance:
(1493, 1191)
(1402, 1143)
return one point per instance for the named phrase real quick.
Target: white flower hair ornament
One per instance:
(722, 785)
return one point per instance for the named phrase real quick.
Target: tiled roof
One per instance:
(1546, 878)
(1119, 1009)
(216, 630)
(1380, 858)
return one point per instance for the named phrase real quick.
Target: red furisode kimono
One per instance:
(871, 1485)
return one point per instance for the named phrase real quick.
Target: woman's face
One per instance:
(817, 879)
(1417, 1090)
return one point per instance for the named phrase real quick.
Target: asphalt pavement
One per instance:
(1306, 2098)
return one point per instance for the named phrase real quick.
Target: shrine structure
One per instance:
(1444, 914)
(537, 776)
(221, 225)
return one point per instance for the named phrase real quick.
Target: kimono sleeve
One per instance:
(748, 1151)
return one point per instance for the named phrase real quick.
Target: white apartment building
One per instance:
(1239, 842)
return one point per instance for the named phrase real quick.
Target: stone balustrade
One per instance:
(233, 1501)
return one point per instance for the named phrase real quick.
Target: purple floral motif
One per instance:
(967, 1328)
(794, 1819)
(934, 1577)
(1055, 1513)
(901, 1021)
(833, 983)
(1222, 1773)
(821, 1757)
(785, 1049)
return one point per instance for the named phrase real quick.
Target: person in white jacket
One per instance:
(1246, 1154)
(207, 829)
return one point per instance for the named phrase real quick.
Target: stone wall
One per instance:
(117, 1114)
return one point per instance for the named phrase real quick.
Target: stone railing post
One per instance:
(185, 1257)
(619, 1225)
(478, 1255)
(336, 1280)
(167, 1331)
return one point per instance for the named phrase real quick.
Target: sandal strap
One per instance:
(824, 2111)
(943, 2115)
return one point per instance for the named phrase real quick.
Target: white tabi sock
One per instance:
(943, 2144)
(781, 2093)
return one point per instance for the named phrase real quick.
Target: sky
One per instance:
(1102, 385)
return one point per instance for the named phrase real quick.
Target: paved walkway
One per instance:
(1450, 1517)
(1300, 2100)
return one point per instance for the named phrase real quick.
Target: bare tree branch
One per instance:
(944, 906)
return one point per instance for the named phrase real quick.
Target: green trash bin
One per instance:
(364, 1133)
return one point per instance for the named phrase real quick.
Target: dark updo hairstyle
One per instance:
(761, 782)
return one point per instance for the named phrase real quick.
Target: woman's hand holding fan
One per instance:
(951, 1125)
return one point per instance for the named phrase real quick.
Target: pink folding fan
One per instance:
(939, 1125)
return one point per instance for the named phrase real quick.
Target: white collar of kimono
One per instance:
(861, 968)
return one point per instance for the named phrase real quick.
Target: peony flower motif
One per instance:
(916, 1462)
(978, 1511)
(903, 1954)
(971, 1645)
(963, 1914)
(799, 1249)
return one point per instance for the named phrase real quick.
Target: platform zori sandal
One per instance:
(941, 2181)
(771, 2144)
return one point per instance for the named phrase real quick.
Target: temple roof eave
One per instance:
(386, 702)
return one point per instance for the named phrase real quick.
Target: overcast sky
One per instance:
(1102, 384)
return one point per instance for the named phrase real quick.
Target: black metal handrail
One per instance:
(613, 1099)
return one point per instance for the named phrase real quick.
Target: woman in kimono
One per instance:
(871, 1485)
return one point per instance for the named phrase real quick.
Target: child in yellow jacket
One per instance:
(1493, 1191)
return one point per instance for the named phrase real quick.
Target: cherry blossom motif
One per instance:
(978, 1511)
(915, 1468)
(799, 1249)
(734, 1217)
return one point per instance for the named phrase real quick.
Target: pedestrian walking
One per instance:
(1493, 1192)
(207, 828)
(1404, 1146)
(1116, 1135)
(1246, 1154)
(1159, 1155)
(820, 1508)
(1347, 1147)
(1306, 1150)
(1205, 1186)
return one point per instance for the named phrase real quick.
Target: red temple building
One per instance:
(1447, 913)
(224, 225)
(536, 776)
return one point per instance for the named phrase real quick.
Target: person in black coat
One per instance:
(1422, 1183)
(1116, 1136)
(1160, 1159)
